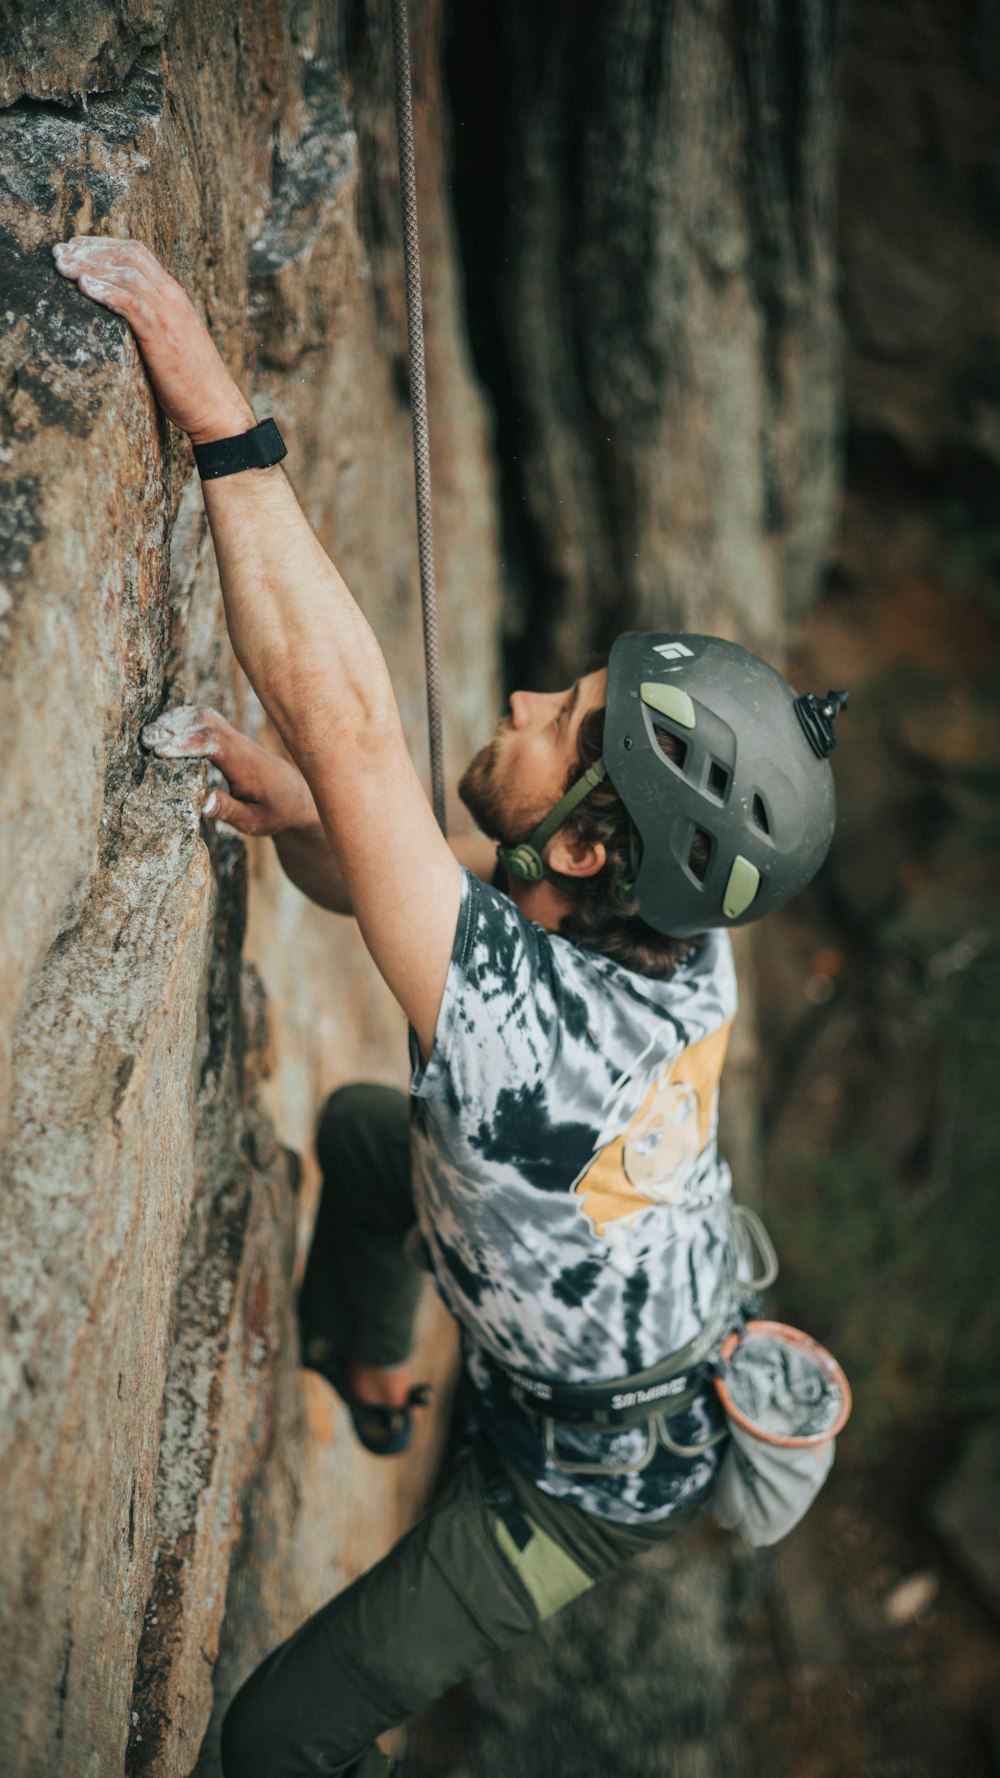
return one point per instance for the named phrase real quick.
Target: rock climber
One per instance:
(569, 986)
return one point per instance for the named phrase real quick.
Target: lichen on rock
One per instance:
(183, 1494)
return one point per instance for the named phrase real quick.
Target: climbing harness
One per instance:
(418, 398)
(782, 1396)
(647, 1400)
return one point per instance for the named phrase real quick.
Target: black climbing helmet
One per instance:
(725, 776)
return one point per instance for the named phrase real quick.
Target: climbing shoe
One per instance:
(383, 1430)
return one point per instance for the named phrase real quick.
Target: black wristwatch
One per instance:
(256, 449)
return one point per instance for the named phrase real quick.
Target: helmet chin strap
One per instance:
(525, 859)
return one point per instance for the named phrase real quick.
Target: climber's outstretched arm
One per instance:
(265, 795)
(303, 643)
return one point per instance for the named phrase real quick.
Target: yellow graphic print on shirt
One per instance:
(651, 1160)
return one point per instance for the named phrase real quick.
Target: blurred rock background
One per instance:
(863, 1110)
(713, 340)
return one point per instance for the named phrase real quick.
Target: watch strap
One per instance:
(256, 449)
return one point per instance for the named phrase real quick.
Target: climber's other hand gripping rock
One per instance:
(191, 383)
(262, 794)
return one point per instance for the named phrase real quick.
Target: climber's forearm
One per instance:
(307, 859)
(301, 639)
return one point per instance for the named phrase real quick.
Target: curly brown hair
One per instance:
(605, 912)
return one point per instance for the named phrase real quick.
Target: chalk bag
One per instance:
(785, 1399)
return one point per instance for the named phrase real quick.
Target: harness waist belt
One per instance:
(623, 1402)
(603, 1406)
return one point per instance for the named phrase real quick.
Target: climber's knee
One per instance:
(249, 1730)
(356, 1122)
(301, 1715)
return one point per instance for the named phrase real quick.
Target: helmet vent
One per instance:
(758, 815)
(672, 745)
(699, 853)
(718, 780)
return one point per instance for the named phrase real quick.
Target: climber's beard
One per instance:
(482, 793)
(489, 790)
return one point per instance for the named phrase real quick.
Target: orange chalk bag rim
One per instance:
(824, 1361)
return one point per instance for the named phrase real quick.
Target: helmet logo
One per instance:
(673, 651)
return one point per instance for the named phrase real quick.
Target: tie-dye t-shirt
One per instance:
(568, 1187)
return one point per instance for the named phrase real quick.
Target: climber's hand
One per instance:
(191, 383)
(263, 795)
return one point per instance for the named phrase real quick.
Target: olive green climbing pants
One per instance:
(458, 1588)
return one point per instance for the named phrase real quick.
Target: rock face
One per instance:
(921, 190)
(651, 267)
(77, 48)
(647, 195)
(182, 1494)
(878, 998)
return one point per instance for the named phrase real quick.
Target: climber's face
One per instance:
(520, 775)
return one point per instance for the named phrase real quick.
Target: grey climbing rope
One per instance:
(418, 398)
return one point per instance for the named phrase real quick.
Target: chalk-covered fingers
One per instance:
(191, 731)
(124, 276)
(191, 383)
(263, 795)
(123, 289)
(248, 818)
